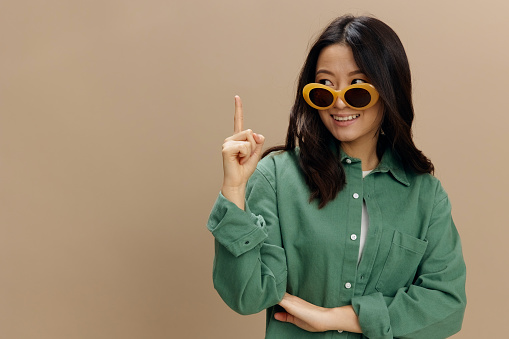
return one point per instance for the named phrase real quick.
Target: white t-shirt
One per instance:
(364, 223)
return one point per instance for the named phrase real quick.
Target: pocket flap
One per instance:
(410, 243)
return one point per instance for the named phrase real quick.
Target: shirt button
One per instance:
(348, 285)
(356, 196)
(340, 331)
(348, 161)
(353, 237)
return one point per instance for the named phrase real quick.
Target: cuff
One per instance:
(373, 316)
(237, 230)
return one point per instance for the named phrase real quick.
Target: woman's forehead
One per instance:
(337, 58)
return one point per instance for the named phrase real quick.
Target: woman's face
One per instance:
(336, 68)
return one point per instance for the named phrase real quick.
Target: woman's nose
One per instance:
(339, 104)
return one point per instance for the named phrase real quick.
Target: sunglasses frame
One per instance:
(340, 94)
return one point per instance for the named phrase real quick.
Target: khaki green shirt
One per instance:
(409, 283)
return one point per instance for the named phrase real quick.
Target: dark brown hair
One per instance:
(380, 55)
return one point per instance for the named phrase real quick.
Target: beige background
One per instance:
(112, 116)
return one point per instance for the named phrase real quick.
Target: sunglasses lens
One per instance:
(321, 97)
(358, 97)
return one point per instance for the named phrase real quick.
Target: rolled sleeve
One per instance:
(237, 230)
(249, 270)
(373, 315)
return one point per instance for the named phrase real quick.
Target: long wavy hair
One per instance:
(380, 55)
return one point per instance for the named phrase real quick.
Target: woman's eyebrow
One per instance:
(357, 71)
(324, 71)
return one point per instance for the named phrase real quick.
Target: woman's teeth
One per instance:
(351, 117)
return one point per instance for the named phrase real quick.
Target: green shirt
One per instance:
(409, 283)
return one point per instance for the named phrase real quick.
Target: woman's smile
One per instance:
(344, 120)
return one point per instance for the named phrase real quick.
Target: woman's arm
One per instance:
(249, 270)
(250, 264)
(314, 318)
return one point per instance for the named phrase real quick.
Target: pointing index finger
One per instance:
(238, 118)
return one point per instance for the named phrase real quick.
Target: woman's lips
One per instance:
(345, 120)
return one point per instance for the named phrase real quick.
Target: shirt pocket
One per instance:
(399, 269)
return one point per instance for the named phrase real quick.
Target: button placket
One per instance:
(351, 235)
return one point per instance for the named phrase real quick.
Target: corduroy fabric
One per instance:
(409, 283)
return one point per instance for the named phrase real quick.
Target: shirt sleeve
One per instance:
(249, 270)
(433, 306)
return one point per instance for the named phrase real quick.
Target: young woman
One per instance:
(343, 231)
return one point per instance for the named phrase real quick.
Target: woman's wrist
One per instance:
(235, 194)
(346, 319)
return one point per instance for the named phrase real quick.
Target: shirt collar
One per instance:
(390, 162)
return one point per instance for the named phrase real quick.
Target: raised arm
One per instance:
(250, 264)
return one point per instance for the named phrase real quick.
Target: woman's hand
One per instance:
(241, 153)
(314, 318)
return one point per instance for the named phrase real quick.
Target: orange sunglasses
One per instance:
(356, 96)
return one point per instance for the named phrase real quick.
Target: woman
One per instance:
(343, 231)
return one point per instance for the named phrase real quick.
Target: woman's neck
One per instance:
(365, 152)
